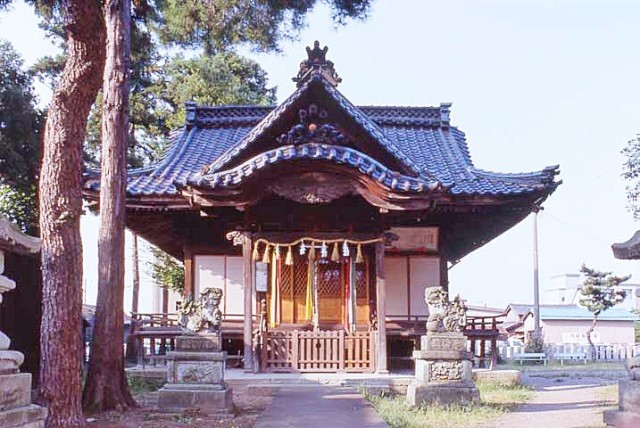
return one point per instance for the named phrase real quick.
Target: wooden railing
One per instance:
(152, 334)
(482, 335)
(318, 351)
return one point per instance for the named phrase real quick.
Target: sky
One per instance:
(533, 83)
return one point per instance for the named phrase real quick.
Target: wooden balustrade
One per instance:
(318, 351)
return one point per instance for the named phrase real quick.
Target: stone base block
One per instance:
(30, 416)
(207, 400)
(618, 419)
(629, 395)
(443, 370)
(498, 377)
(16, 390)
(203, 372)
(444, 393)
(201, 342)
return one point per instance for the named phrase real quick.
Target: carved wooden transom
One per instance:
(312, 188)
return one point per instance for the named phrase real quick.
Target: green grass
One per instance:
(141, 386)
(495, 400)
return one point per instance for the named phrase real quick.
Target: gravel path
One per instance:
(565, 400)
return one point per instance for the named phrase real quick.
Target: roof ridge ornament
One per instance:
(317, 64)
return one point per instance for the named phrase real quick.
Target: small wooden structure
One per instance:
(322, 221)
(20, 311)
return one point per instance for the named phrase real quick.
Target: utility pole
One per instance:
(536, 286)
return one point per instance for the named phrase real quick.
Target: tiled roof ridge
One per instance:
(174, 139)
(235, 150)
(360, 117)
(371, 127)
(392, 114)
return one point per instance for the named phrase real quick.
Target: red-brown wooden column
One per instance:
(188, 275)
(381, 297)
(444, 273)
(248, 296)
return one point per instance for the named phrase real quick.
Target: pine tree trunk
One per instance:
(60, 198)
(592, 347)
(106, 386)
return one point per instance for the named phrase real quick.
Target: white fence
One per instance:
(612, 352)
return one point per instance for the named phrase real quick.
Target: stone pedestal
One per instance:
(16, 409)
(628, 414)
(443, 371)
(195, 375)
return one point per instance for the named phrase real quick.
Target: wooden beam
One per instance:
(381, 297)
(248, 295)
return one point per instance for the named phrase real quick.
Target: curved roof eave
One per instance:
(314, 151)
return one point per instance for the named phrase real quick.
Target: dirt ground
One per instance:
(247, 410)
(565, 400)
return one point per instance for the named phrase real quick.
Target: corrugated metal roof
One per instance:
(578, 313)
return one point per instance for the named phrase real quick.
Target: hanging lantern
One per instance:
(359, 258)
(289, 259)
(323, 250)
(277, 251)
(303, 249)
(256, 253)
(267, 254)
(335, 254)
(345, 249)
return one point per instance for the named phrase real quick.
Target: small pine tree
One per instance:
(599, 291)
(166, 271)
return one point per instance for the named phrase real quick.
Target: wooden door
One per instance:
(329, 280)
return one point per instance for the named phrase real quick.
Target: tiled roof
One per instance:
(420, 138)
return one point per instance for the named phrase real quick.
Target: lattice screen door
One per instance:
(331, 281)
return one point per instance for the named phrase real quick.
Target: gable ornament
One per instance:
(312, 128)
(317, 64)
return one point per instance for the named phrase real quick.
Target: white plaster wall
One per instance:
(395, 269)
(226, 272)
(404, 290)
(425, 271)
(608, 332)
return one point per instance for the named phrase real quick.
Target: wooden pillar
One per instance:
(248, 300)
(188, 275)
(381, 297)
(444, 273)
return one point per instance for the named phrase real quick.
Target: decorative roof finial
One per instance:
(316, 64)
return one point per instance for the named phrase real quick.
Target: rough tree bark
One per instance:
(60, 195)
(106, 386)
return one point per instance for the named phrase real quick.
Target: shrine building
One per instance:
(322, 221)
